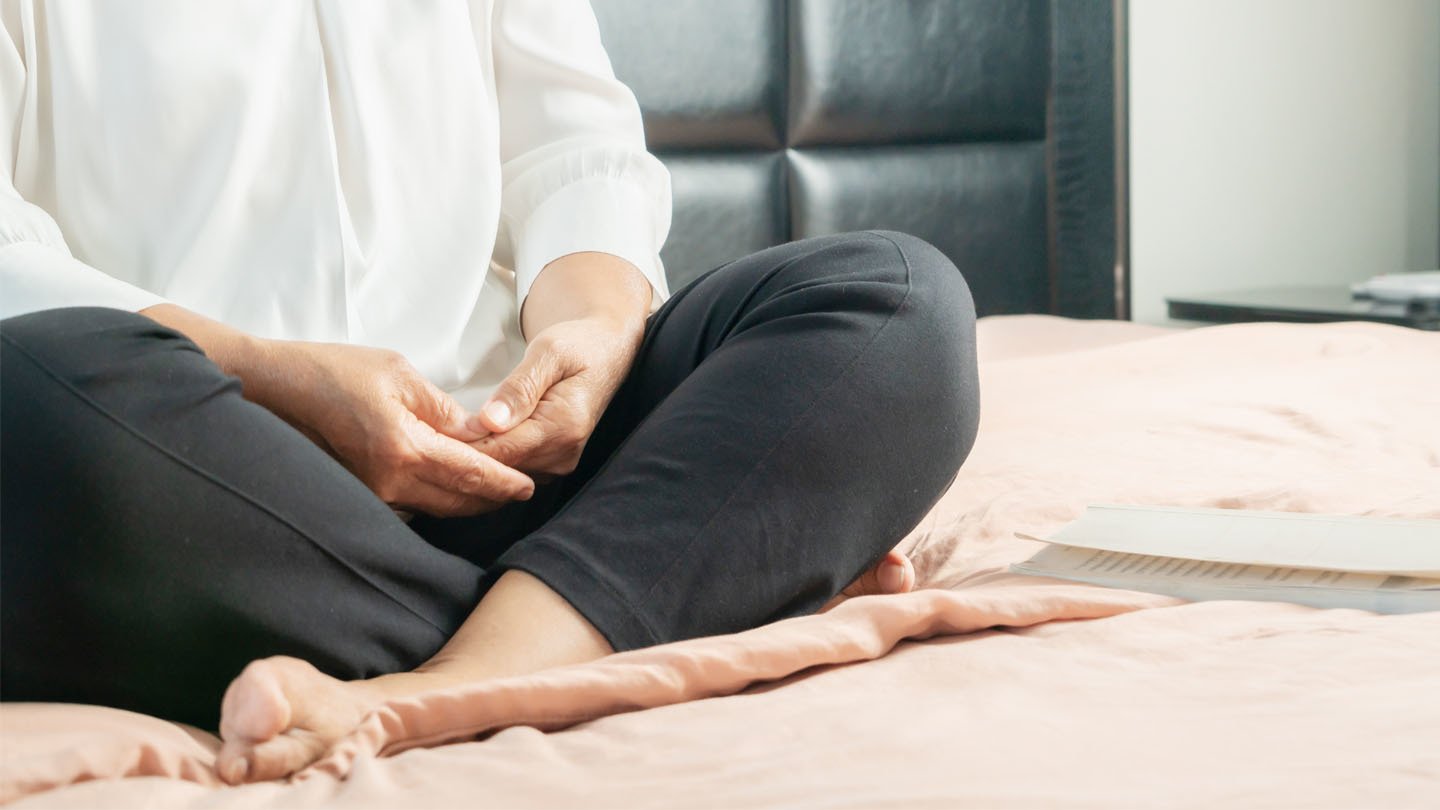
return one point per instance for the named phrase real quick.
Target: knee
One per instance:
(119, 361)
(937, 287)
(931, 284)
(932, 343)
(76, 344)
(908, 284)
(906, 268)
(937, 318)
(52, 327)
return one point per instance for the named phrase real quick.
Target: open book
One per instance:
(1329, 561)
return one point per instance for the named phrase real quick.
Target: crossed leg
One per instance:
(796, 351)
(792, 416)
(282, 713)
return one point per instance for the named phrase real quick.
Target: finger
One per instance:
(539, 446)
(518, 394)
(439, 410)
(523, 443)
(457, 467)
(430, 499)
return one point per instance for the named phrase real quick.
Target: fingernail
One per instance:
(891, 578)
(498, 412)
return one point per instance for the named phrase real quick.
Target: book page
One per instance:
(1201, 580)
(1280, 539)
(1135, 567)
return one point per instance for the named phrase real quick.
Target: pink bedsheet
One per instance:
(984, 688)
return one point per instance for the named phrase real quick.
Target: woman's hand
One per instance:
(370, 409)
(542, 415)
(387, 424)
(585, 317)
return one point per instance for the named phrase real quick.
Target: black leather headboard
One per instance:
(983, 126)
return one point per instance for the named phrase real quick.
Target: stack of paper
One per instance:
(1330, 561)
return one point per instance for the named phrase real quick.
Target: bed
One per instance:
(981, 688)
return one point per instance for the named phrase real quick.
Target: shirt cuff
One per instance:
(600, 214)
(34, 277)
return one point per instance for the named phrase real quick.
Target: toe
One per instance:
(902, 563)
(890, 574)
(280, 715)
(255, 706)
(281, 756)
(255, 709)
(894, 573)
(232, 763)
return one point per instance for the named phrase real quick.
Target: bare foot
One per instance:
(894, 573)
(282, 714)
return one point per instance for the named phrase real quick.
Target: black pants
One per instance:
(790, 417)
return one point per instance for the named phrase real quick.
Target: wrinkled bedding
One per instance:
(983, 688)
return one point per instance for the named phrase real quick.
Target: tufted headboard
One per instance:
(984, 126)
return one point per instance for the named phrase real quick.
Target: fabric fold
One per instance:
(856, 630)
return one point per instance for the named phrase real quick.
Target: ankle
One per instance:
(404, 684)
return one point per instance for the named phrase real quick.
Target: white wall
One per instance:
(1278, 142)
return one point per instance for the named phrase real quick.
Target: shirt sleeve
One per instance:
(37, 270)
(575, 172)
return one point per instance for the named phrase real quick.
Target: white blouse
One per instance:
(383, 172)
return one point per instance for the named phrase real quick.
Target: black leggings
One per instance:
(790, 417)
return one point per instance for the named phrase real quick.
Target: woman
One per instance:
(292, 289)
